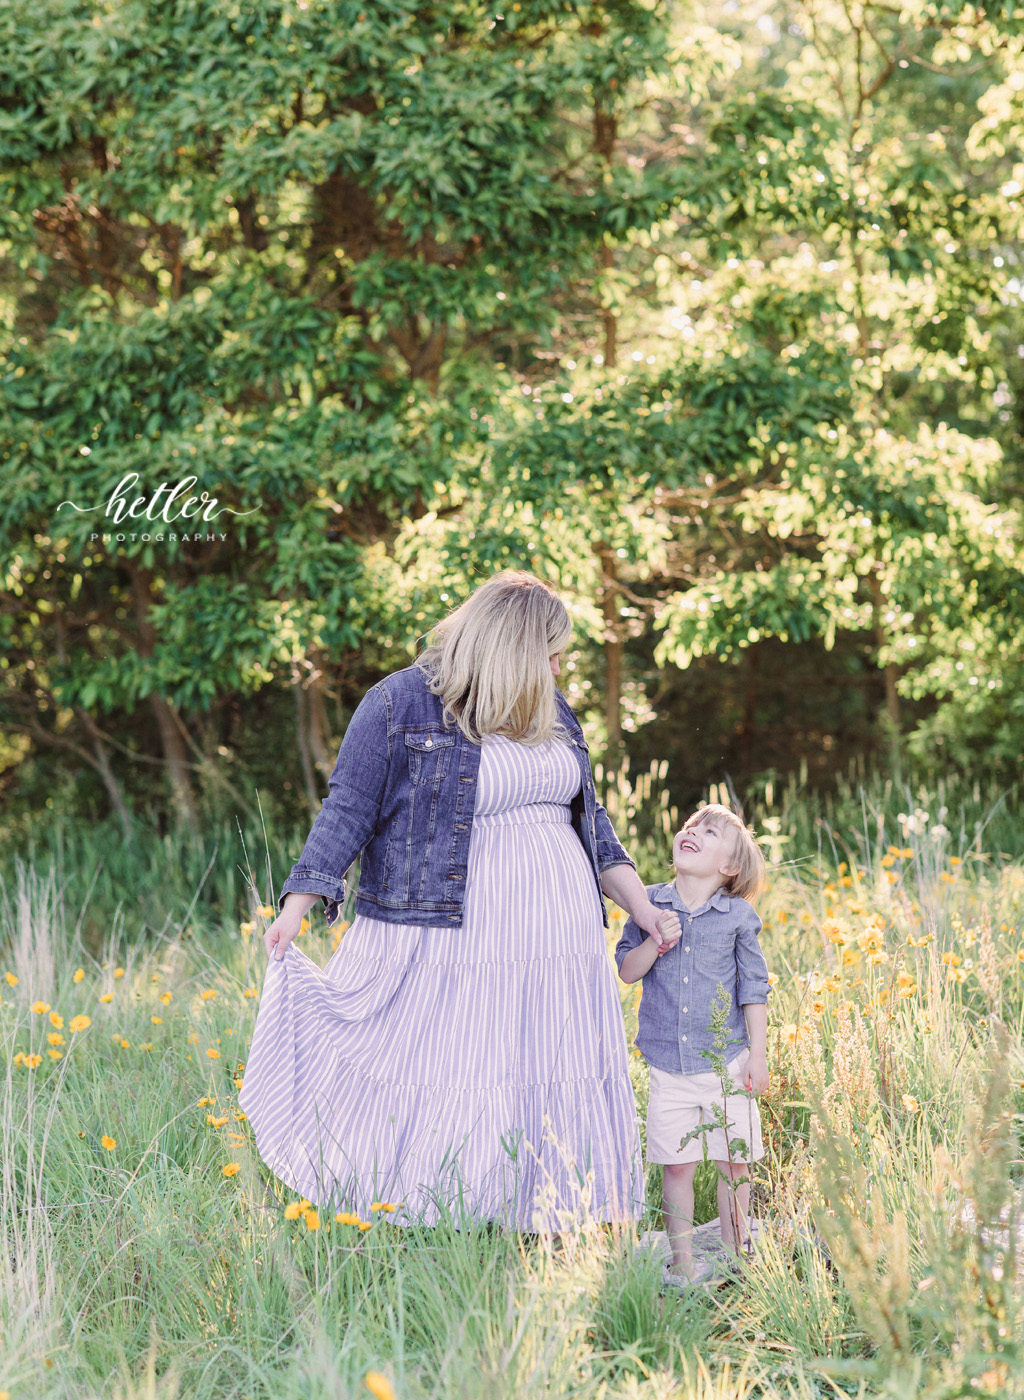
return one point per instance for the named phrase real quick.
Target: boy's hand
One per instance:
(670, 930)
(756, 1074)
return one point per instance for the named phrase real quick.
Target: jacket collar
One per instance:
(668, 894)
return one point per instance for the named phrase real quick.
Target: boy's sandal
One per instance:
(706, 1272)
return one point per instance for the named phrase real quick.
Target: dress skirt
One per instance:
(479, 1071)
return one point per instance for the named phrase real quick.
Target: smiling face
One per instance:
(705, 847)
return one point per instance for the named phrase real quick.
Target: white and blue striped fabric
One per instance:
(480, 1070)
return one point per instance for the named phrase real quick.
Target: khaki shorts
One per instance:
(679, 1103)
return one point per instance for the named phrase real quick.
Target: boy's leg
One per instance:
(677, 1200)
(733, 1203)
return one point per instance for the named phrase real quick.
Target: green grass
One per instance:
(891, 1180)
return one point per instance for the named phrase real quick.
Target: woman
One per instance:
(465, 1042)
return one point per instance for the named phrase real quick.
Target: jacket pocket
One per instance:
(428, 752)
(716, 958)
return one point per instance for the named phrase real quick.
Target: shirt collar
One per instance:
(668, 894)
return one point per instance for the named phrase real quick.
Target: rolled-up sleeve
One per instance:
(751, 969)
(632, 936)
(609, 850)
(350, 811)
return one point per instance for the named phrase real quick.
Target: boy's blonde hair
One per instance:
(488, 660)
(751, 873)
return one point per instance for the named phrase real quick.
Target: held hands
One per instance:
(669, 931)
(660, 924)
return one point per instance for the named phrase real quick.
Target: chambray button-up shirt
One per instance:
(719, 945)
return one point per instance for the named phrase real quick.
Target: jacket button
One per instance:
(429, 744)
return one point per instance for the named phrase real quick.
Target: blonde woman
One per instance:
(464, 1046)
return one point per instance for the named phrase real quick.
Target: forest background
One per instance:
(709, 314)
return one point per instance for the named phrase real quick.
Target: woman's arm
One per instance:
(623, 884)
(344, 824)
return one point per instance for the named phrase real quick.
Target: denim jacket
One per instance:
(402, 796)
(719, 945)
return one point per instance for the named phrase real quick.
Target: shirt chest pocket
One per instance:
(716, 957)
(429, 753)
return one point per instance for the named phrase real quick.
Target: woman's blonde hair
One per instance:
(488, 660)
(751, 873)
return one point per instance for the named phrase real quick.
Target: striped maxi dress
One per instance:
(480, 1070)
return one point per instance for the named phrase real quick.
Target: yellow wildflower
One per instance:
(379, 1386)
(246, 929)
(952, 959)
(157, 1020)
(56, 1020)
(291, 1211)
(850, 956)
(209, 993)
(203, 1102)
(55, 1038)
(788, 1033)
(212, 1054)
(312, 1220)
(12, 981)
(267, 910)
(345, 1217)
(108, 1142)
(79, 1023)
(31, 1061)
(836, 931)
(881, 956)
(79, 974)
(40, 1007)
(55, 1054)
(232, 1168)
(955, 860)
(365, 1224)
(167, 998)
(118, 971)
(107, 996)
(910, 1103)
(817, 1009)
(833, 983)
(251, 992)
(238, 1083)
(216, 1122)
(382, 1205)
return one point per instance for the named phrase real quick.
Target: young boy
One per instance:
(707, 935)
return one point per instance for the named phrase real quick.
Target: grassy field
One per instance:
(147, 1253)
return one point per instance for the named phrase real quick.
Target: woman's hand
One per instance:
(288, 923)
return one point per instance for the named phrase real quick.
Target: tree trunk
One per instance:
(750, 710)
(319, 728)
(890, 672)
(612, 639)
(168, 721)
(176, 760)
(105, 771)
(302, 735)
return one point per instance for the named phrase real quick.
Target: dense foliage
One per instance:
(709, 314)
